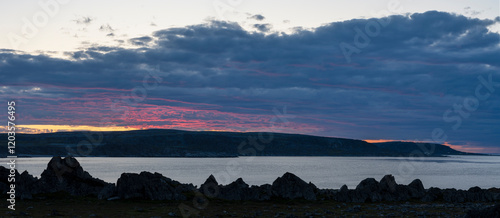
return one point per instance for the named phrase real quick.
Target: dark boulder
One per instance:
(477, 194)
(237, 190)
(66, 175)
(454, 195)
(24, 183)
(388, 184)
(289, 186)
(210, 187)
(432, 194)
(391, 191)
(343, 194)
(261, 193)
(367, 190)
(416, 189)
(151, 186)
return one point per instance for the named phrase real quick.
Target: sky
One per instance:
(370, 70)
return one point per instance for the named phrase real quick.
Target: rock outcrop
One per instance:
(66, 175)
(290, 186)
(61, 175)
(151, 186)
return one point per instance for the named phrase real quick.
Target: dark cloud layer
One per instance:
(401, 75)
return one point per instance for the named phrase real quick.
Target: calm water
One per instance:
(459, 172)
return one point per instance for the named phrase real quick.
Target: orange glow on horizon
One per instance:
(379, 140)
(463, 148)
(38, 129)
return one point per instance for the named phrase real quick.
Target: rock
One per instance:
(237, 190)
(432, 194)
(453, 195)
(210, 187)
(107, 192)
(66, 174)
(343, 194)
(290, 186)
(151, 186)
(416, 189)
(367, 190)
(261, 193)
(388, 184)
(25, 183)
(344, 188)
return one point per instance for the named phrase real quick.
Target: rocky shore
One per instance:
(65, 175)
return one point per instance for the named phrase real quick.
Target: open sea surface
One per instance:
(461, 172)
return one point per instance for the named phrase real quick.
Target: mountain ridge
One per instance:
(182, 143)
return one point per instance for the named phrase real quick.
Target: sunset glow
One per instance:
(426, 69)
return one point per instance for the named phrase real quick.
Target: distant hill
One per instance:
(178, 143)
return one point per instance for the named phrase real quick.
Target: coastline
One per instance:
(146, 186)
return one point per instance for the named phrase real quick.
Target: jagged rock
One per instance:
(416, 189)
(261, 193)
(343, 194)
(66, 174)
(489, 212)
(432, 194)
(388, 184)
(290, 186)
(237, 190)
(495, 193)
(25, 182)
(391, 191)
(453, 195)
(151, 186)
(367, 190)
(210, 187)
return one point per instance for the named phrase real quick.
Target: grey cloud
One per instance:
(263, 27)
(397, 86)
(258, 17)
(84, 20)
(106, 28)
(141, 41)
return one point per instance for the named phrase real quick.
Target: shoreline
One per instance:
(64, 180)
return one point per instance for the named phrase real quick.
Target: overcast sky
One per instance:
(390, 70)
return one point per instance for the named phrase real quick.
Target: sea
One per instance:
(460, 172)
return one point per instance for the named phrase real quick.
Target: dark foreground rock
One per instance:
(61, 175)
(66, 175)
(151, 186)
(290, 186)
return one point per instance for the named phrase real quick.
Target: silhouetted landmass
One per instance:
(177, 143)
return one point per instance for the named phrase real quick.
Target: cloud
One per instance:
(257, 17)
(141, 41)
(263, 27)
(106, 28)
(84, 20)
(219, 76)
